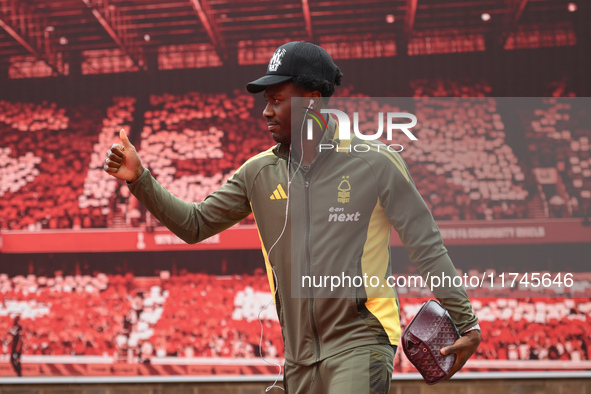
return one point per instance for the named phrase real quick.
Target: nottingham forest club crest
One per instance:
(276, 59)
(344, 190)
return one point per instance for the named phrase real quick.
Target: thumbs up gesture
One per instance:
(122, 160)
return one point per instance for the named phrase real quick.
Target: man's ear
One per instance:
(316, 97)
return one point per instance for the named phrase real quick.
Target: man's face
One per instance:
(278, 109)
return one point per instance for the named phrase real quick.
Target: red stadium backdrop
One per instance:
(88, 317)
(92, 285)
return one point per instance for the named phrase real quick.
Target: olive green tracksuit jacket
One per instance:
(341, 212)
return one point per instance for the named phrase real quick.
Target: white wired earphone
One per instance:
(275, 243)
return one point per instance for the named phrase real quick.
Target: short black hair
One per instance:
(311, 83)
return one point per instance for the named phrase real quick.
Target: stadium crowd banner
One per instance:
(246, 237)
(563, 316)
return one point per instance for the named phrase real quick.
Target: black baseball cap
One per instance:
(294, 59)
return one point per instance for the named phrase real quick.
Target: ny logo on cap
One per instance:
(276, 59)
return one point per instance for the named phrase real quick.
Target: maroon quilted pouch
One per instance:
(429, 331)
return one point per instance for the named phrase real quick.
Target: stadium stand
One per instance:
(98, 189)
(226, 324)
(561, 157)
(464, 164)
(194, 142)
(446, 87)
(135, 319)
(44, 149)
(71, 315)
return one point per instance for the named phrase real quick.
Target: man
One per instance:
(17, 345)
(342, 345)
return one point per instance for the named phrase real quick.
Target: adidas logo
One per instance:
(278, 194)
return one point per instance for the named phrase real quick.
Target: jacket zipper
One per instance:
(309, 266)
(308, 259)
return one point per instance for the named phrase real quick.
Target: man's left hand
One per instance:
(464, 347)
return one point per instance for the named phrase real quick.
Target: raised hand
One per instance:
(122, 160)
